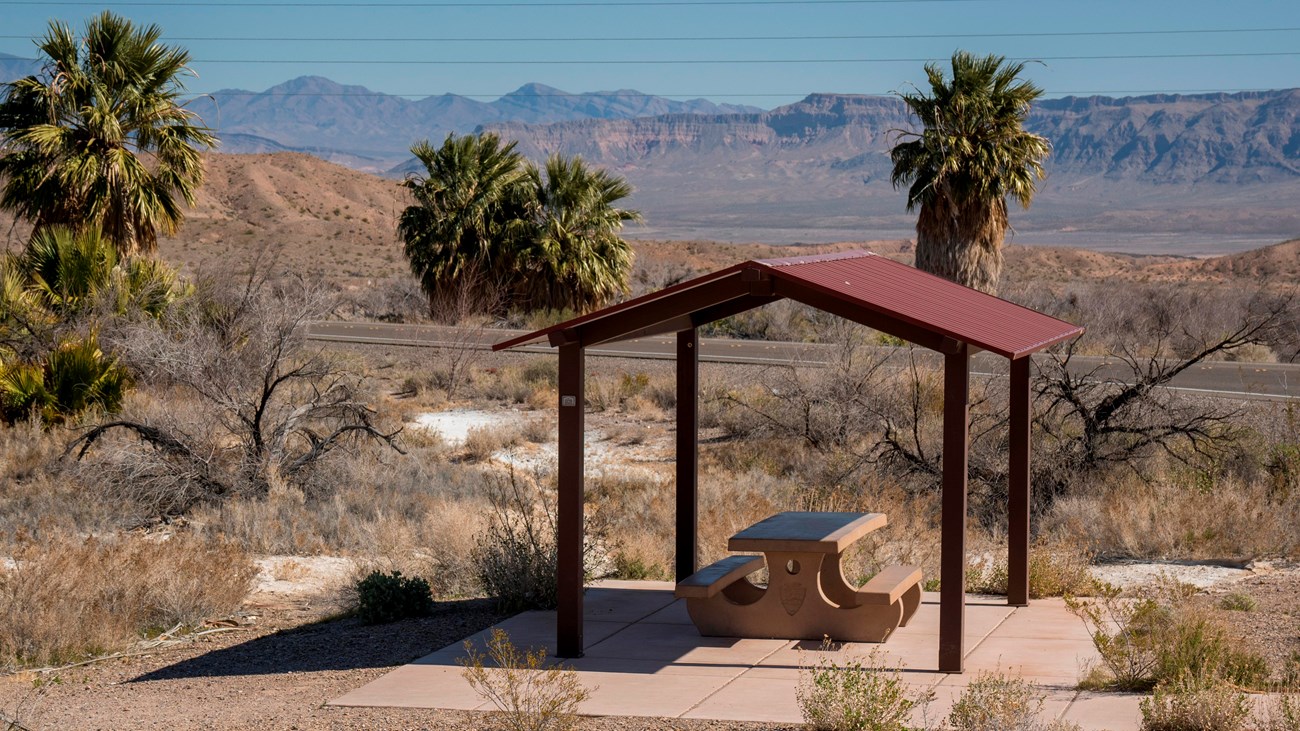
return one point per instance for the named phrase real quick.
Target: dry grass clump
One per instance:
(1189, 704)
(1058, 566)
(1134, 517)
(406, 514)
(63, 600)
(484, 441)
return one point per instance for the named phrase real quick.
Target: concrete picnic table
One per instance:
(807, 596)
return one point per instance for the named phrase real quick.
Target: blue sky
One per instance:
(223, 38)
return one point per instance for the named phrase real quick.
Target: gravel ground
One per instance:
(1273, 626)
(276, 674)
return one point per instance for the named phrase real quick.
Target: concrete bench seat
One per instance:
(889, 585)
(712, 579)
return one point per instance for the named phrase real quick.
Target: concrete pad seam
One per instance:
(979, 642)
(992, 629)
(1068, 706)
(732, 679)
(638, 620)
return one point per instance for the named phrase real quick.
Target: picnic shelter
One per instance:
(859, 286)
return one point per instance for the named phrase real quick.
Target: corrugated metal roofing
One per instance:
(883, 286)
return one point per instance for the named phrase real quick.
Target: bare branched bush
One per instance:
(263, 406)
(64, 600)
(517, 555)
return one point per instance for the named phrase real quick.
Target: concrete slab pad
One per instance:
(1105, 711)
(416, 686)
(751, 699)
(674, 613)
(1062, 661)
(660, 694)
(644, 658)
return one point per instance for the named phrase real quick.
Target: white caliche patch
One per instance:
(1201, 575)
(301, 576)
(454, 426)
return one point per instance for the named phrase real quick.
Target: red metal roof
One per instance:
(885, 287)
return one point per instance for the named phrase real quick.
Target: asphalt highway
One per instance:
(1272, 381)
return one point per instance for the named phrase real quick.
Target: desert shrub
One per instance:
(857, 695)
(1237, 602)
(385, 597)
(63, 600)
(516, 556)
(263, 407)
(1057, 567)
(528, 695)
(636, 568)
(1189, 704)
(1159, 637)
(998, 703)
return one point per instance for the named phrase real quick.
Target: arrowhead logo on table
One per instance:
(792, 596)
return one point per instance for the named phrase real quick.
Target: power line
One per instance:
(692, 95)
(711, 61)
(633, 39)
(479, 5)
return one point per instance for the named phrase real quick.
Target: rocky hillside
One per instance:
(1180, 174)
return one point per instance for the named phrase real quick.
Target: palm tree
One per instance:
(100, 136)
(458, 235)
(972, 154)
(575, 256)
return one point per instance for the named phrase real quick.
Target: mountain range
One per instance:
(1168, 173)
(373, 131)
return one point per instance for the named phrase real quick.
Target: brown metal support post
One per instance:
(1018, 487)
(688, 458)
(569, 520)
(952, 560)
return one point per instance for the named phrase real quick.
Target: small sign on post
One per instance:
(568, 401)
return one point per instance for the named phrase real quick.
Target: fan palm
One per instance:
(100, 136)
(76, 377)
(457, 236)
(971, 155)
(575, 256)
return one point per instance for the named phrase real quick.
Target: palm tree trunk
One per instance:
(962, 242)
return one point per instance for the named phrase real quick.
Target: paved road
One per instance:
(1241, 380)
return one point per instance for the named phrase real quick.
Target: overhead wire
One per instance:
(710, 39)
(715, 61)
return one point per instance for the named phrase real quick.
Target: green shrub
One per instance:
(528, 695)
(860, 695)
(74, 378)
(1190, 704)
(1159, 638)
(389, 597)
(1237, 602)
